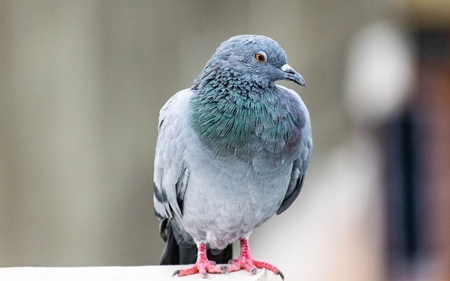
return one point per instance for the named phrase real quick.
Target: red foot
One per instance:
(202, 265)
(246, 262)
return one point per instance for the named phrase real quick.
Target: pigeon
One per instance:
(232, 151)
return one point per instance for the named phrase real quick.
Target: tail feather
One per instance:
(187, 254)
(170, 254)
(223, 257)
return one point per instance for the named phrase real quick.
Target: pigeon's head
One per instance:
(253, 58)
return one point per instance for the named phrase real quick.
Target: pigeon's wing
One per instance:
(301, 163)
(170, 173)
(170, 183)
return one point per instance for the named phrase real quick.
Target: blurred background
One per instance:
(81, 84)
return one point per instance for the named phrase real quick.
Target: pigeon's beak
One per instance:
(292, 75)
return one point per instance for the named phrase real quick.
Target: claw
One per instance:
(281, 274)
(175, 273)
(224, 268)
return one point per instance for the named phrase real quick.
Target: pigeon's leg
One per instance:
(202, 265)
(245, 261)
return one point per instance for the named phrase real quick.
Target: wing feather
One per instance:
(170, 171)
(302, 162)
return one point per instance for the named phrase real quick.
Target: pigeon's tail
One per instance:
(223, 256)
(170, 254)
(174, 253)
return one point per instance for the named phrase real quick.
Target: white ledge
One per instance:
(116, 273)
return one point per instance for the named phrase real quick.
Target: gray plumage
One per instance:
(232, 150)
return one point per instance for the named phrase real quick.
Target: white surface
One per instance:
(117, 273)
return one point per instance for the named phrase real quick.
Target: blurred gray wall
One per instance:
(81, 86)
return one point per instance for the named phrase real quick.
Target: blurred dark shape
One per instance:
(405, 191)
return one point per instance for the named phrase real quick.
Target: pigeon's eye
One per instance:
(260, 57)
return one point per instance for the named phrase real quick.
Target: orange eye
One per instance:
(260, 57)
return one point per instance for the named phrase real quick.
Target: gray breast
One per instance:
(227, 198)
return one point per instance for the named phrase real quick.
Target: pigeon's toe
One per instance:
(245, 261)
(203, 267)
(251, 266)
